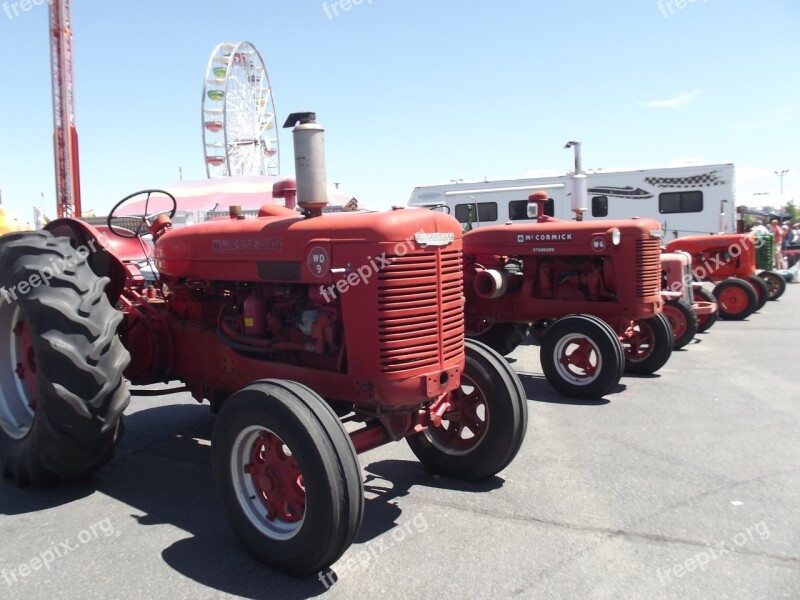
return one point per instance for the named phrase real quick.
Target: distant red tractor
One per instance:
(729, 261)
(689, 307)
(287, 324)
(590, 289)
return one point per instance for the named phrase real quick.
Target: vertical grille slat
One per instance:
(420, 304)
(648, 268)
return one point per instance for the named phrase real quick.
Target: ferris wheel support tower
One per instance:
(65, 135)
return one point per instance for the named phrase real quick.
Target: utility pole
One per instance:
(780, 174)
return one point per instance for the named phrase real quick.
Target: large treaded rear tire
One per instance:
(61, 389)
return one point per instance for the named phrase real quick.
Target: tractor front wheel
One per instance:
(683, 319)
(484, 432)
(704, 322)
(736, 299)
(762, 291)
(61, 389)
(649, 346)
(287, 476)
(581, 357)
(503, 337)
(776, 284)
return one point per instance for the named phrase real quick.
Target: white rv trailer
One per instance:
(692, 200)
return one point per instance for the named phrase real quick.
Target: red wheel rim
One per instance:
(277, 478)
(19, 388)
(577, 359)
(268, 482)
(677, 319)
(464, 427)
(734, 300)
(26, 362)
(639, 342)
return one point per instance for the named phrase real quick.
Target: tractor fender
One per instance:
(105, 253)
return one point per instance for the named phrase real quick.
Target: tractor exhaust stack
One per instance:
(309, 162)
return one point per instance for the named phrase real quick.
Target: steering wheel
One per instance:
(144, 225)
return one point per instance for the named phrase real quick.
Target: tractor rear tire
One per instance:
(683, 320)
(503, 337)
(61, 389)
(488, 427)
(652, 348)
(776, 284)
(704, 322)
(581, 357)
(762, 291)
(287, 476)
(736, 299)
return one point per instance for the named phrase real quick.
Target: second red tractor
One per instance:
(591, 291)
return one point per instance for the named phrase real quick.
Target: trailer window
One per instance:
(518, 209)
(600, 206)
(487, 212)
(680, 202)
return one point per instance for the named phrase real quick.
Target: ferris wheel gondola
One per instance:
(240, 135)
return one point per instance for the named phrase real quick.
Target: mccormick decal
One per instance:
(260, 244)
(544, 237)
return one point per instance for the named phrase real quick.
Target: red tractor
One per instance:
(590, 289)
(689, 307)
(729, 261)
(288, 324)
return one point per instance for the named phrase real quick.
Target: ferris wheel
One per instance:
(240, 136)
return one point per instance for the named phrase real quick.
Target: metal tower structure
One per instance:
(65, 136)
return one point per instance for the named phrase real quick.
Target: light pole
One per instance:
(780, 174)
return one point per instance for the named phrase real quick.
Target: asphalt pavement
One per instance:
(684, 484)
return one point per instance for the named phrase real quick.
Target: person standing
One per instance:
(777, 242)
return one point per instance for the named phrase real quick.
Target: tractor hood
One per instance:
(699, 243)
(557, 236)
(283, 246)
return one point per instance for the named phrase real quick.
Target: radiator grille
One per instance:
(648, 268)
(415, 329)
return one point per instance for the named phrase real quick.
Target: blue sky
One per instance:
(415, 92)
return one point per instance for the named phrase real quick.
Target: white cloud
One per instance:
(678, 101)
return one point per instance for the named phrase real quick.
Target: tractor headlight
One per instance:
(656, 233)
(616, 236)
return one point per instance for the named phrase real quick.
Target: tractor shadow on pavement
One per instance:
(162, 475)
(537, 389)
(387, 480)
